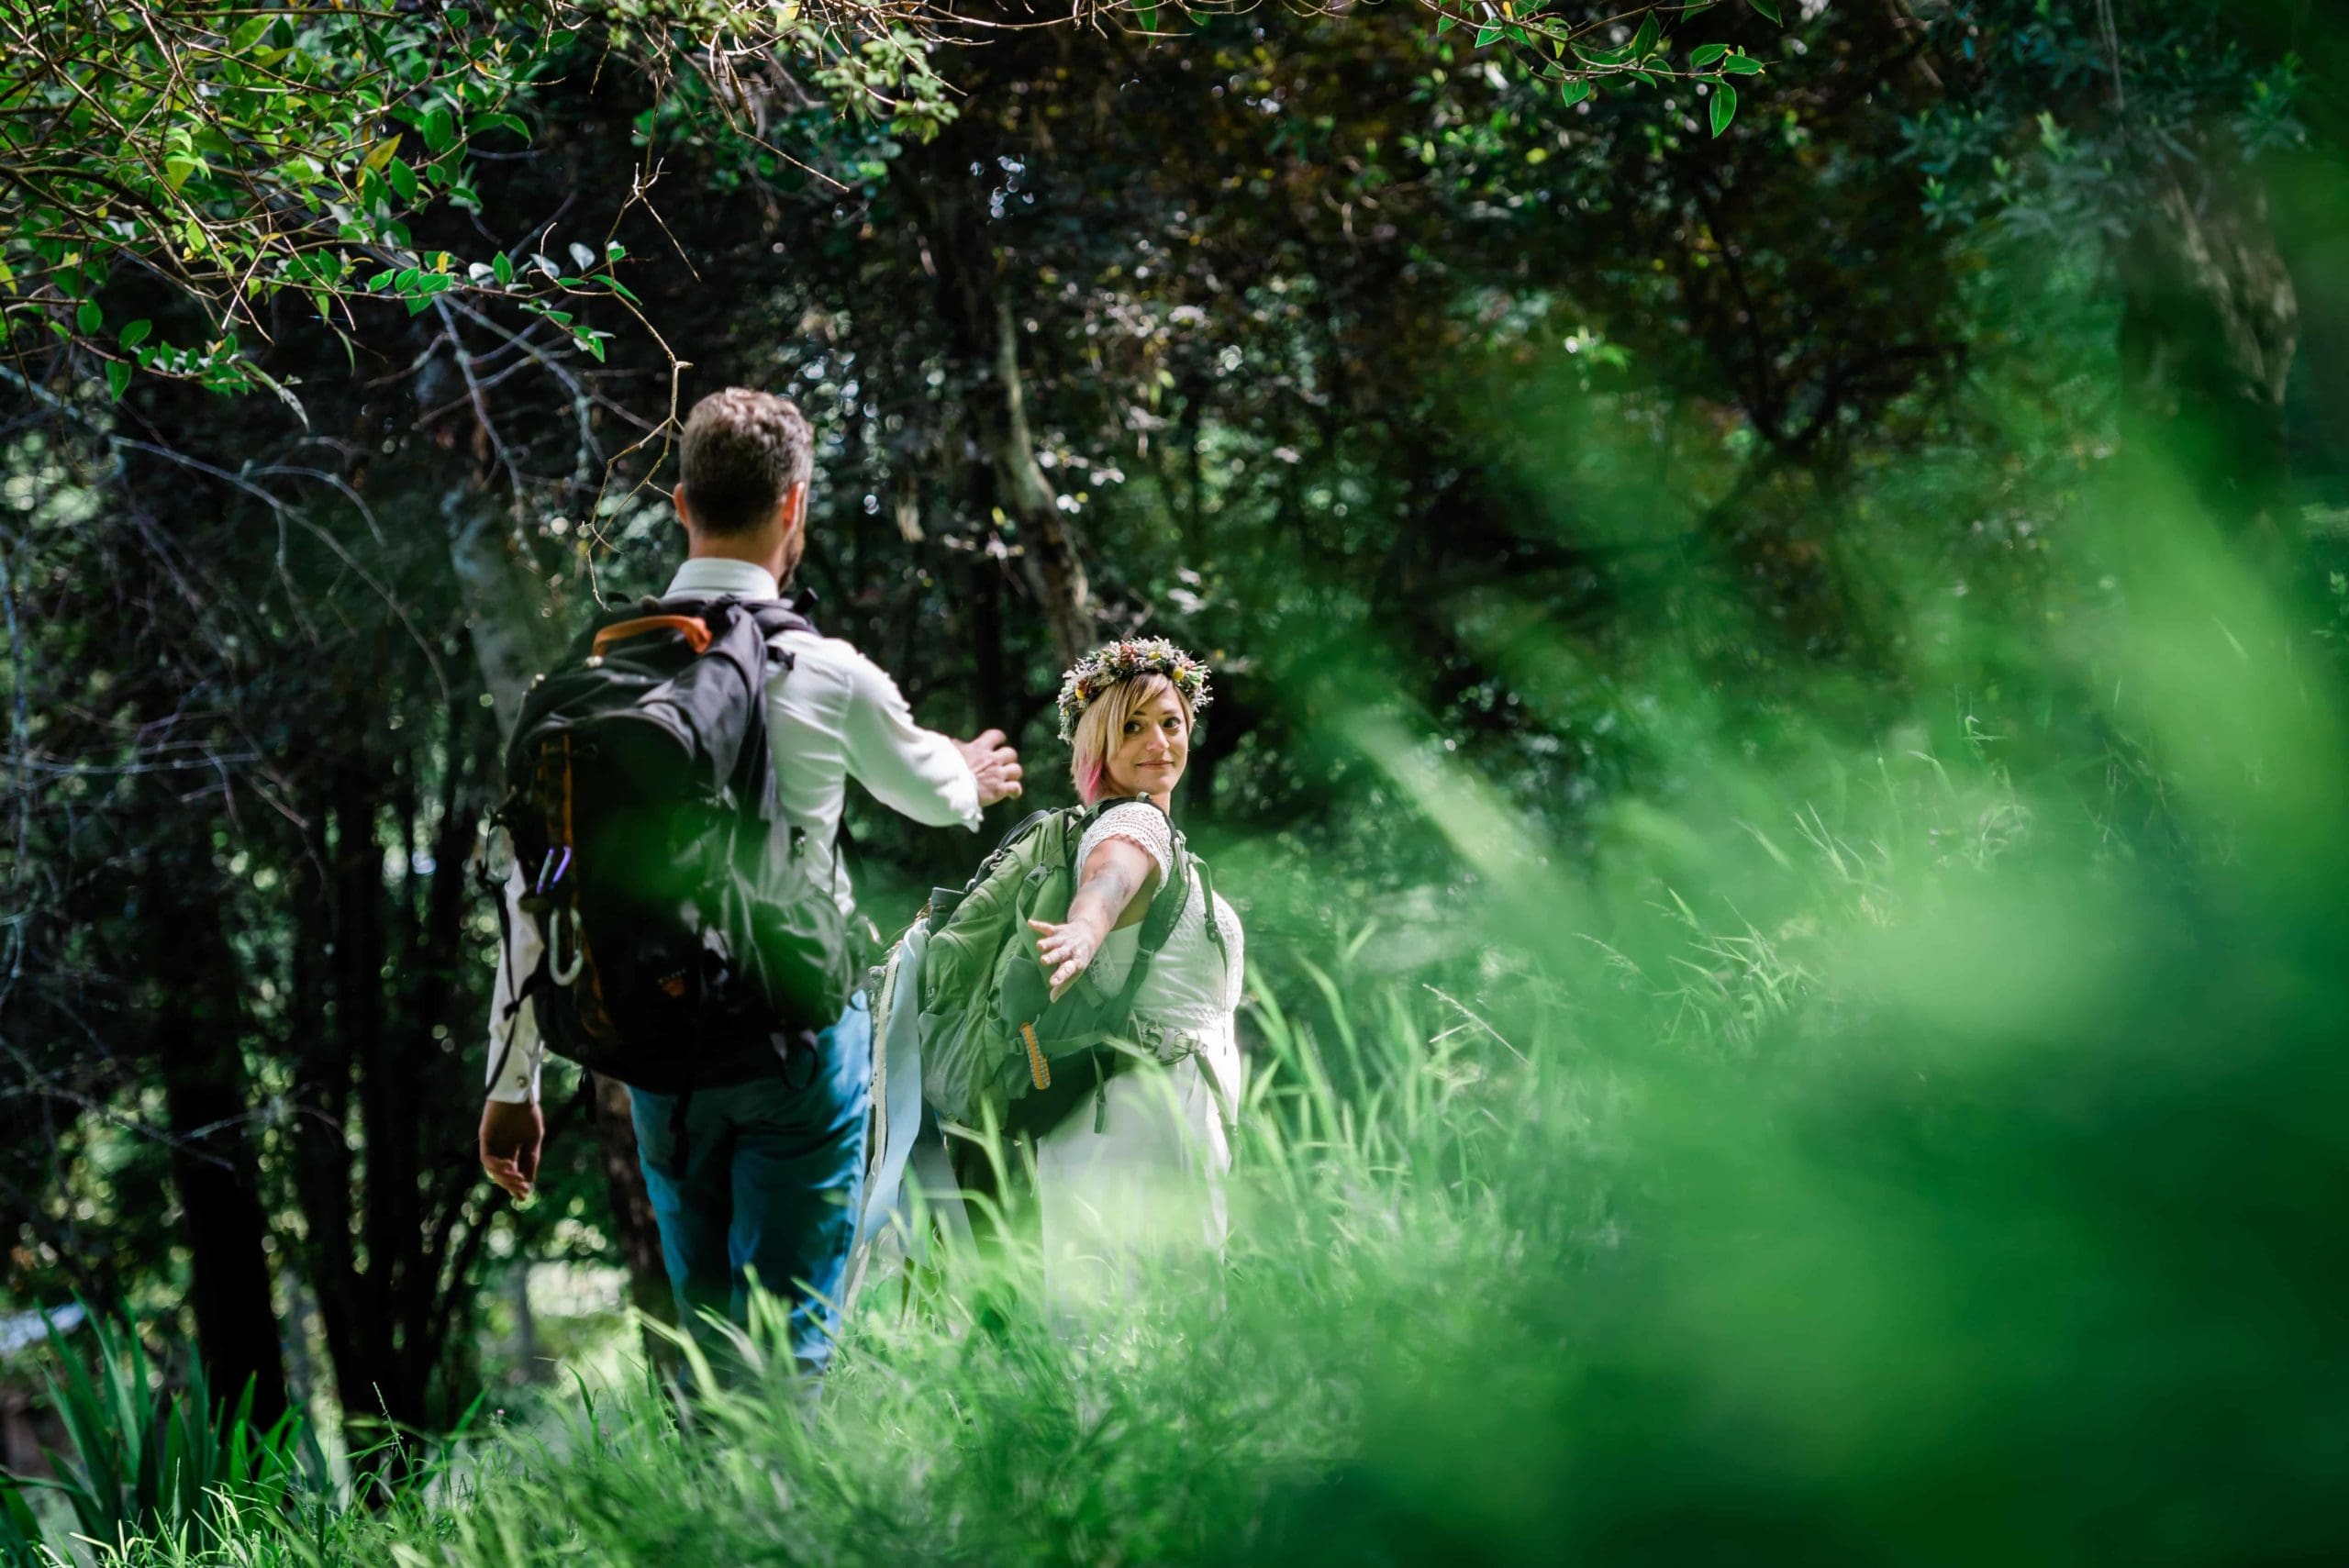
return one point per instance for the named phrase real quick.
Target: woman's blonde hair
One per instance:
(1102, 724)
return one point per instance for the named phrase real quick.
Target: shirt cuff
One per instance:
(516, 1081)
(523, 1094)
(963, 794)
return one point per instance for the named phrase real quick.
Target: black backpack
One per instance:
(686, 942)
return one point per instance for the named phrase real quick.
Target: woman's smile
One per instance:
(1153, 747)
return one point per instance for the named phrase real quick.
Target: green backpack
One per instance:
(989, 1030)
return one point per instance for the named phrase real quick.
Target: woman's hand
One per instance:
(1065, 950)
(1113, 892)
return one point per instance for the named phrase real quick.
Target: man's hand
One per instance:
(511, 1134)
(995, 764)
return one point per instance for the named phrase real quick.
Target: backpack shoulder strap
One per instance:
(1206, 907)
(1167, 907)
(776, 616)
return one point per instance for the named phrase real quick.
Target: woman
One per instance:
(1138, 1162)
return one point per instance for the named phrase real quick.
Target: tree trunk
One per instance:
(503, 597)
(323, 1166)
(981, 337)
(382, 1381)
(207, 1100)
(2208, 332)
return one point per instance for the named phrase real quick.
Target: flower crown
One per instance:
(1118, 661)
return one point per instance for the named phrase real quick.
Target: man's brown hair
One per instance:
(742, 452)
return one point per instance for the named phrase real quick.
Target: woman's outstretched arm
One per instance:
(1113, 889)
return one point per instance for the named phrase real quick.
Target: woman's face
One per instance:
(1148, 758)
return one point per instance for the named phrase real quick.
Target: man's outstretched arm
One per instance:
(919, 773)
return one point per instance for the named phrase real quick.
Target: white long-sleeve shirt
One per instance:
(831, 717)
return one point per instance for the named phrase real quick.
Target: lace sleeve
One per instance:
(1137, 822)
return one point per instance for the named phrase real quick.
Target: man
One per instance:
(764, 1182)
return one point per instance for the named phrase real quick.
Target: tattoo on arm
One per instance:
(1112, 878)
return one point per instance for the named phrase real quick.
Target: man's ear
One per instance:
(684, 517)
(795, 507)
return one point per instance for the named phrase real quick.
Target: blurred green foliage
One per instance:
(1779, 740)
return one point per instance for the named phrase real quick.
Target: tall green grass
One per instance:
(1920, 1138)
(152, 1463)
(1926, 1151)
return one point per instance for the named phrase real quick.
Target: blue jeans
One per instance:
(771, 1184)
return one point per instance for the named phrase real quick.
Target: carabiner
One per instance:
(560, 970)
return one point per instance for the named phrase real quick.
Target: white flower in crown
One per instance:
(1117, 661)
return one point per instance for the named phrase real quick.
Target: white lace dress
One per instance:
(1144, 1169)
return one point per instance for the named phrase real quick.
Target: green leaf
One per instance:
(88, 317)
(117, 377)
(1575, 90)
(503, 269)
(381, 278)
(615, 250)
(1741, 65)
(1724, 107)
(1704, 54)
(1486, 35)
(1644, 41)
(402, 179)
(137, 333)
(1445, 23)
(440, 128)
(1146, 13)
(1768, 9)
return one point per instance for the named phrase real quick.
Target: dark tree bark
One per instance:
(387, 1219)
(323, 1167)
(2207, 337)
(207, 1099)
(991, 686)
(981, 337)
